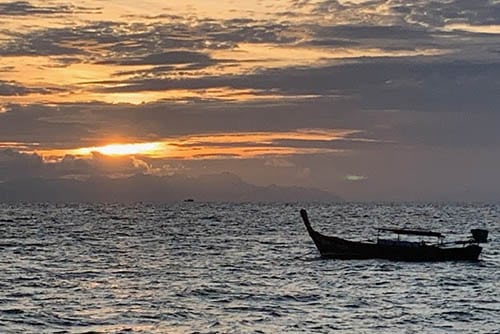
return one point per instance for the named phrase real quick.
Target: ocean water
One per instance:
(236, 268)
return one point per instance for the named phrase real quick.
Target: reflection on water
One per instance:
(218, 268)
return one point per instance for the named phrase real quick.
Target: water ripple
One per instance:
(227, 268)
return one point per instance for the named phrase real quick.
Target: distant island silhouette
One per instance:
(214, 187)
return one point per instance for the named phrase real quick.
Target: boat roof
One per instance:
(412, 232)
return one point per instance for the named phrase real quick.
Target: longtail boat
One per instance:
(398, 250)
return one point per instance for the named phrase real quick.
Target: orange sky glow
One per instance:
(242, 145)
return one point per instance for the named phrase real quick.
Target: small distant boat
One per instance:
(397, 250)
(189, 200)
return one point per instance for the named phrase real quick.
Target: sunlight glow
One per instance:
(482, 29)
(123, 149)
(255, 55)
(241, 145)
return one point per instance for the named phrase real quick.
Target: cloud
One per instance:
(355, 178)
(12, 88)
(385, 24)
(440, 13)
(279, 163)
(36, 43)
(388, 103)
(417, 83)
(153, 42)
(165, 58)
(99, 164)
(327, 41)
(25, 8)
(15, 164)
(304, 173)
(366, 32)
(421, 12)
(57, 126)
(178, 51)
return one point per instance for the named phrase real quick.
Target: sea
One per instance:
(237, 268)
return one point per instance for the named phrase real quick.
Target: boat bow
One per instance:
(305, 218)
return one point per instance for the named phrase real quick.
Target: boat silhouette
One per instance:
(397, 250)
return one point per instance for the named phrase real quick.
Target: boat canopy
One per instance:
(412, 232)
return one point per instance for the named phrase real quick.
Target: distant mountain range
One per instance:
(147, 188)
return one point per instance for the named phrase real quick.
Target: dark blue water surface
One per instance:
(236, 268)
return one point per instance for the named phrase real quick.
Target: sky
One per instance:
(380, 100)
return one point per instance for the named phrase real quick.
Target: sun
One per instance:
(125, 149)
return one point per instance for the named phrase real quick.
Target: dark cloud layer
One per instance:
(433, 13)
(25, 8)
(136, 39)
(384, 84)
(417, 23)
(17, 165)
(412, 125)
(11, 88)
(439, 13)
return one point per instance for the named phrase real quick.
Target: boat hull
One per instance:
(338, 248)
